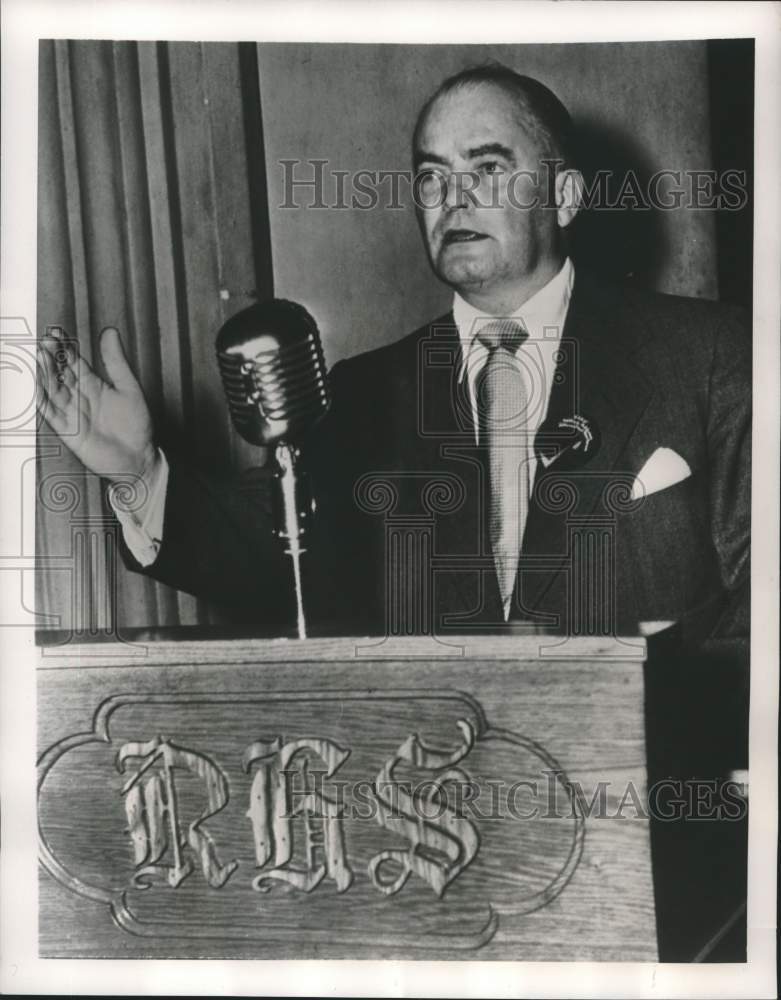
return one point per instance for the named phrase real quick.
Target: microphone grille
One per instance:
(273, 371)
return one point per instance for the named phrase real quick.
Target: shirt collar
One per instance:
(546, 308)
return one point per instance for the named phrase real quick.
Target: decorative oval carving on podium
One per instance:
(308, 818)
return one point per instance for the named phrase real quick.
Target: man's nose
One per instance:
(458, 195)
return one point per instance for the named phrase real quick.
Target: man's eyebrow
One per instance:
(421, 156)
(491, 148)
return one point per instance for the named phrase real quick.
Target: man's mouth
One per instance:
(462, 236)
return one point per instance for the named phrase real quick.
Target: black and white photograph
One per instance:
(383, 500)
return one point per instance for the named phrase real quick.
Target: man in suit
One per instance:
(553, 453)
(617, 497)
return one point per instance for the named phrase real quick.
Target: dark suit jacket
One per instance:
(398, 539)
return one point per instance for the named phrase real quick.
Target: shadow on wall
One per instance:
(624, 242)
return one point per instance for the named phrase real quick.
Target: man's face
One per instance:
(482, 240)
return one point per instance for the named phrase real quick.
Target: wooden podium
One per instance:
(345, 798)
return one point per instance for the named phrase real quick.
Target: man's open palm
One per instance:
(107, 425)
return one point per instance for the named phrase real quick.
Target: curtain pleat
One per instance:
(144, 224)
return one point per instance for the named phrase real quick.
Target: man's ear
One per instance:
(569, 193)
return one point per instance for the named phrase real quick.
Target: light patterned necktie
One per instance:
(502, 399)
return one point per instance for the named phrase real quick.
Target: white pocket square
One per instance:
(664, 468)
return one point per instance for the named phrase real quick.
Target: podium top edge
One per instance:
(154, 652)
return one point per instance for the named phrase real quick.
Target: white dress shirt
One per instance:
(543, 317)
(142, 529)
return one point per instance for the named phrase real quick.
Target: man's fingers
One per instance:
(48, 372)
(58, 357)
(113, 354)
(82, 368)
(64, 352)
(66, 357)
(66, 376)
(53, 415)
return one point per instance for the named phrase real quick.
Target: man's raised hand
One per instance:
(106, 425)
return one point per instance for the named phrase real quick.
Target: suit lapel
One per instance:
(445, 442)
(598, 379)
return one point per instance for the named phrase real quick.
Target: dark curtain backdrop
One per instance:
(160, 193)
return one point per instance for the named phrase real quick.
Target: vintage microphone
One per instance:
(273, 372)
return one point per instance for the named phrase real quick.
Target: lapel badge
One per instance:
(570, 442)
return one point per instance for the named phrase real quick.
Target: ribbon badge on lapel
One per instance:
(570, 442)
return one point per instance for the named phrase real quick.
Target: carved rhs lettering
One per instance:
(282, 798)
(276, 803)
(153, 813)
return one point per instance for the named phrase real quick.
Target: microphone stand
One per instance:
(293, 531)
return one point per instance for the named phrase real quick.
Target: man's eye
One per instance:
(432, 185)
(430, 176)
(490, 167)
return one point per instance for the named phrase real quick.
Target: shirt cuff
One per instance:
(142, 523)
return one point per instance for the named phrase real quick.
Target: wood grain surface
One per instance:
(457, 805)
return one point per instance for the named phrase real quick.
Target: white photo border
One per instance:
(441, 21)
